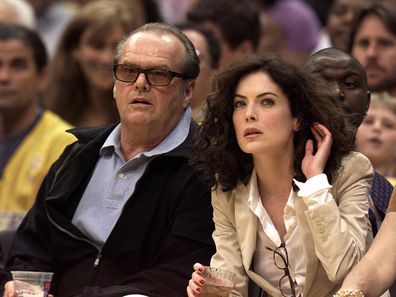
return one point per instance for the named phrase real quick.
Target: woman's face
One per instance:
(262, 117)
(376, 136)
(95, 54)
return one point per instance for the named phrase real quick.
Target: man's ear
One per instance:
(188, 92)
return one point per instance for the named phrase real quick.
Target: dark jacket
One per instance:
(164, 228)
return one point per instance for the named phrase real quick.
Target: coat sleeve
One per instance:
(228, 254)
(340, 227)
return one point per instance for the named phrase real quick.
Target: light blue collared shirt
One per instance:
(113, 181)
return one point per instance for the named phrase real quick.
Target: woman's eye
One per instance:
(267, 101)
(239, 103)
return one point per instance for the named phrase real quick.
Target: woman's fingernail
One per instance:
(200, 269)
(198, 290)
(201, 281)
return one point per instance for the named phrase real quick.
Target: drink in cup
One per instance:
(218, 282)
(31, 283)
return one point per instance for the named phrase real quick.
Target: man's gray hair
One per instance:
(190, 62)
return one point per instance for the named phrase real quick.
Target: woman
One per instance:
(290, 197)
(376, 136)
(80, 86)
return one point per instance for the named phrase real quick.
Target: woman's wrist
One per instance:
(349, 293)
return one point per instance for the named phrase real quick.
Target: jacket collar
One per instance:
(99, 135)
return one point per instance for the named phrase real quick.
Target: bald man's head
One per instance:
(346, 76)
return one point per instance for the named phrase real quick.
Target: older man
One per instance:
(122, 212)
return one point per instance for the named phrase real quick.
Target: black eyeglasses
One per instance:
(281, 261)
(154, 76)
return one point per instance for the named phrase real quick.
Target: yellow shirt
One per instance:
(392, 180)
(27, 167)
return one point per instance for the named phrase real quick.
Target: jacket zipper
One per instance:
(98, 256)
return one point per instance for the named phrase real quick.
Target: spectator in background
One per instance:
(337, 31)
(80, 87)
(17, 12)
(30, 138)
(145, 11)
(321, 7)
(376, 136)
(173, 11)
(299, 28)
(122, 211)
(208, 50)
(52, 18)
(235, 23)
(373, 44)
(346, 77)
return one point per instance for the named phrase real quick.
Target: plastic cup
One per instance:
(31, 283)
(218, 282)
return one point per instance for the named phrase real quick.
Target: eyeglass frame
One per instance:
(285, 269)
(173, 74)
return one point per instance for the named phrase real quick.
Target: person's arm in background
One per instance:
(376, 272)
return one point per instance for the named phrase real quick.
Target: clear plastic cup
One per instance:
(218, 282)
(32, 283)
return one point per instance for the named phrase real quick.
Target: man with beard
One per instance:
(373, 44)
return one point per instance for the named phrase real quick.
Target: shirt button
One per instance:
(121, 175)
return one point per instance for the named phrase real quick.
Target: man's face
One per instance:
(374, 47)
(347, 79)
(153, 108)
(20, 81)
(341, 16)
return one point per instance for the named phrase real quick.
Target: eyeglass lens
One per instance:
(281, 261)
(158, 77)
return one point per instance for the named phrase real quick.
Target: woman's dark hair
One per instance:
(216, 151)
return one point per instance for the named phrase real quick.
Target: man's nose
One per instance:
(372, 50)
(5, 74)
(338, 91)
(141, 82)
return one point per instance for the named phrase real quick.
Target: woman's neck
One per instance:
(274, 175)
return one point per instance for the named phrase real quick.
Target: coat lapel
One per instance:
(247, 222)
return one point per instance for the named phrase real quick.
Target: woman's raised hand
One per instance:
(314, 164)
